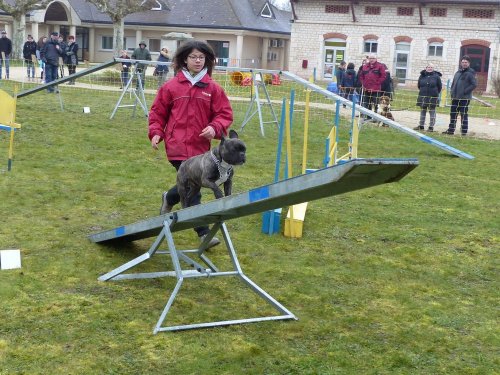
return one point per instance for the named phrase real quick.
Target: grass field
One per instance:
(397, 279)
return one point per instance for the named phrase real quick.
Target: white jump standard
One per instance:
(350, 176)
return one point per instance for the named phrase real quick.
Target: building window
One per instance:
(370, 46)
(435, 50)
(107, 42)
(272, 56)
(405, 11)
(479, 13)
(129, 43)
(373, 11)
(437, 12)
(266, 11)
(337, 9)
(154, 45)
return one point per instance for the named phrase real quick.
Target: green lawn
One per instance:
(397, 279)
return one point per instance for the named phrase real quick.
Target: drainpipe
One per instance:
(352, 11)
(420, 13)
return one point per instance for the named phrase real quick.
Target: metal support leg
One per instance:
(199, 271)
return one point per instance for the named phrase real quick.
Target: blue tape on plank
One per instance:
(120, 231)
(258, 194)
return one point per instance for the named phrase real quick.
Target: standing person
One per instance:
(387, 86)
(189, 111)
(141, 53)
(5, 51)
(348, 82)
(63, 46)
(29, 54)
(464, 82)
(429, 87)
(71, 57)
(339, 73)
(371, 77)
(39, 46)
(50, 53)
(161, 71)
(125, 68)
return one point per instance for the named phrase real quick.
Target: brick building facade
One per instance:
(406, 35)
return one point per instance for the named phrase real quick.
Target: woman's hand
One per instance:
(154, 141)
(208, 133)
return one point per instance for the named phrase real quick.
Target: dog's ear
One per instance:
(233, 134)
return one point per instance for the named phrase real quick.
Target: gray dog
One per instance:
(211, 169)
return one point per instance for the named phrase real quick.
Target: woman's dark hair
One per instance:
(350, 66)
(181, 55)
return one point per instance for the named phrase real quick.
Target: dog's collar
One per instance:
(224, 168)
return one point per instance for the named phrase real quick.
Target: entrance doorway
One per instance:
(401, 61)
(334, 54)
(480, 60)
(221, 49)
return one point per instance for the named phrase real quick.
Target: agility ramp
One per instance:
(350, 176)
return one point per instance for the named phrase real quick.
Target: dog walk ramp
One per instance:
(350, 176)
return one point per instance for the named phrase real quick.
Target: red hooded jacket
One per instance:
(372, 76)
(181, 111)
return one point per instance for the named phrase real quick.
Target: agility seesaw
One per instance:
(350, 176)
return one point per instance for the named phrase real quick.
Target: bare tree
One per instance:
(117, 10)
(18, 13)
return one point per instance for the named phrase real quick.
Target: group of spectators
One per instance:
(372, 80)
(142, 53)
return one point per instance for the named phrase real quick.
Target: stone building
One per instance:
(245, 33)
(406, 35)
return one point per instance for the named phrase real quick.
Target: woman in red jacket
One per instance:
(189, 111)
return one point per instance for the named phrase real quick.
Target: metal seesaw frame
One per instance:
(196, 270)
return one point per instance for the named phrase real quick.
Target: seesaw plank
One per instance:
(350, 176)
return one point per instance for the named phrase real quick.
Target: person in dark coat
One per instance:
(5, 51)
(39, 47)
(349, 81)
(464, 82)
(51, 51)
(71, 57)
(387, 86)
(161, 71)
(125, 68)
(29, 55)
(429, 86)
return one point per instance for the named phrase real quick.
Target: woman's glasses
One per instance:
(196, 58)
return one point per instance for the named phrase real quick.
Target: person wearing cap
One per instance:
(50, 53)
(5, 51)
(141, 53)
(371, 76)
(464, 82)
(70, 57)
(29, 54)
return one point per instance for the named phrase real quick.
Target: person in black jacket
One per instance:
(71, 57)
(29, 54)
(51, 51)
(5, 51)
(429, 86)
(348, 82)
(464, 82)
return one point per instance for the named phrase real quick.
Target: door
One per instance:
(401, 59)
(479, 61)
(334, 54)
(221, 49)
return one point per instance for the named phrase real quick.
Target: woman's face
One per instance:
(429, 68)
(195, 61)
